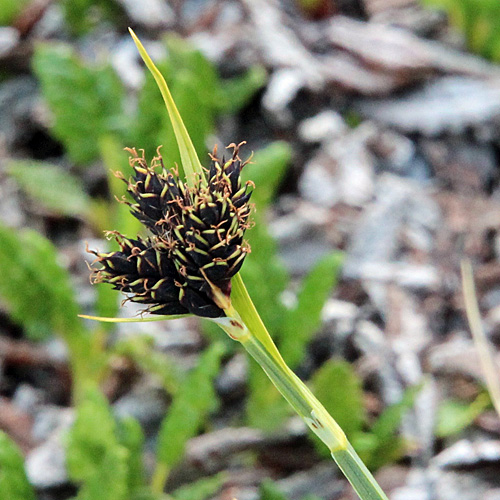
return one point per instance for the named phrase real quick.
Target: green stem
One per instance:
(249, 330)
(358, 475)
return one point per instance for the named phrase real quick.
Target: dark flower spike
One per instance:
(143, 270)
(196, 245)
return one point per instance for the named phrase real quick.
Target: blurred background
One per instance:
(375, 128)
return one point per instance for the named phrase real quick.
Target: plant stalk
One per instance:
(247, 329)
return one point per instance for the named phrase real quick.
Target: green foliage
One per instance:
(382, 445)
(478, 20)
(200, 96)
(10, 9)
(189, 409)
(269, 491)
(38, 295)
(30, 271)
(291, 328)
(236, 92)
(83, 15)
(14, 484)
(86, 101)
(454, 415)
(52, 187)
(201, 489)
(110, 454)
(266, 171)
(339, 389)
(304, 319)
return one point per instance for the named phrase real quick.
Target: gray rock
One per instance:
(152, 14)
(9, 38)
(342, 171)
(325, 126)
(231, 381)
(146, 404)
(51, 419)
(46, 465)
(448, 104)
(27, 398)
(376, 240)
(18, 97)
(465, 452)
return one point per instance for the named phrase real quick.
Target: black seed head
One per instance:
(196, 245)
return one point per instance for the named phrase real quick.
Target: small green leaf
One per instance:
(38, 295)
(51, 186)
(454, 416)
(86, 101)
(235, 93)
(82, 16)
(304, 320)
(388, 447)
(200, 490)
(266, 170)
(269, 491)
(338, 387)
(186, 59)
(390, 419)
(190, 407)
(14, 484)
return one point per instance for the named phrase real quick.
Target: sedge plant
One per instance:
(189, 266)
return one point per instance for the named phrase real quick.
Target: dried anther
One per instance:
(196, 244)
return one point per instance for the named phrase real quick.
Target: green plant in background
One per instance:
(10, 9)
(269, 491)
(455, 415)
(14, 484)
(204, 274)
(478, 20)
(88, 101)
(82, 16)
(30, 261)
(101, 449)
(112, 453)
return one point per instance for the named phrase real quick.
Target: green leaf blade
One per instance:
(304, 320)
(189, 158)
(339, 389)
(51, 186)
(86, 101)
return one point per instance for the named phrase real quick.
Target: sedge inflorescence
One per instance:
(195, 243)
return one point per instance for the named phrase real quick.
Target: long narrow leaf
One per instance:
(190, 161)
